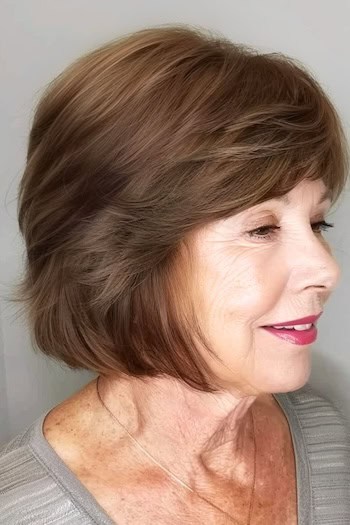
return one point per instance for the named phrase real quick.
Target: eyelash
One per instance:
(253, 233)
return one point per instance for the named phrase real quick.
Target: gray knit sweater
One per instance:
(37, 488)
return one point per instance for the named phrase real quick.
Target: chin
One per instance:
(291, 383)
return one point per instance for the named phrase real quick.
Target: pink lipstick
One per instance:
(302, 331)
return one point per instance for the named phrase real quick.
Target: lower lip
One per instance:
(304, 337)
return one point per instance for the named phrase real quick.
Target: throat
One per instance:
(234, 458)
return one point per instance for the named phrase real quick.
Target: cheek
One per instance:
(239, 286)
(256, 287)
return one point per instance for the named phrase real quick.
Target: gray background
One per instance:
(40, 38)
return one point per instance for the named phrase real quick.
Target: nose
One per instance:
(314, 265)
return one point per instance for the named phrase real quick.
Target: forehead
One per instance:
(326, 195)
(313, 192)
(307, 192)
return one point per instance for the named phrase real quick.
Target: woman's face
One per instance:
(247, 281)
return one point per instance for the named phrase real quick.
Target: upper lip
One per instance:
(304, 320)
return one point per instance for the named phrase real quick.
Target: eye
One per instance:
(322, 225)
(268, 230)
(263, 232)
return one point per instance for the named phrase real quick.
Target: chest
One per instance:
(152, 497)
(129, 494)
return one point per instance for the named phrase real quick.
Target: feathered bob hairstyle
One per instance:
(135, 147)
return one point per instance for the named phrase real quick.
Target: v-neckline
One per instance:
(86, 501)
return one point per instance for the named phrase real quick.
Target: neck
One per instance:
(213, 433)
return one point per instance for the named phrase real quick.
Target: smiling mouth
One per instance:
(300, 335)
(297, 327)
(302, 323)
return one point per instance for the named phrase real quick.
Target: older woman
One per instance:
(173, 207)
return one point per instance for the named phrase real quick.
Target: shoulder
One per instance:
(316, 420)
(22, 479)
(36, 486)
(322, 438)
(15, 453)
(30, 491)
(316, 410)
(320, 431)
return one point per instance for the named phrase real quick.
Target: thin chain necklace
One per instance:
(182, 483)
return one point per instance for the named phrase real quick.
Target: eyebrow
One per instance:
(325, 196)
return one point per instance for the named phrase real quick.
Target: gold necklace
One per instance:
(178, 480)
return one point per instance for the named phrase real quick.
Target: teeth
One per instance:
(298, 327)
(303, 326)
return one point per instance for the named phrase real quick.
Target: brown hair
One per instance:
(134, 147)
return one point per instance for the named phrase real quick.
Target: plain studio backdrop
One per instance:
(38, 39)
